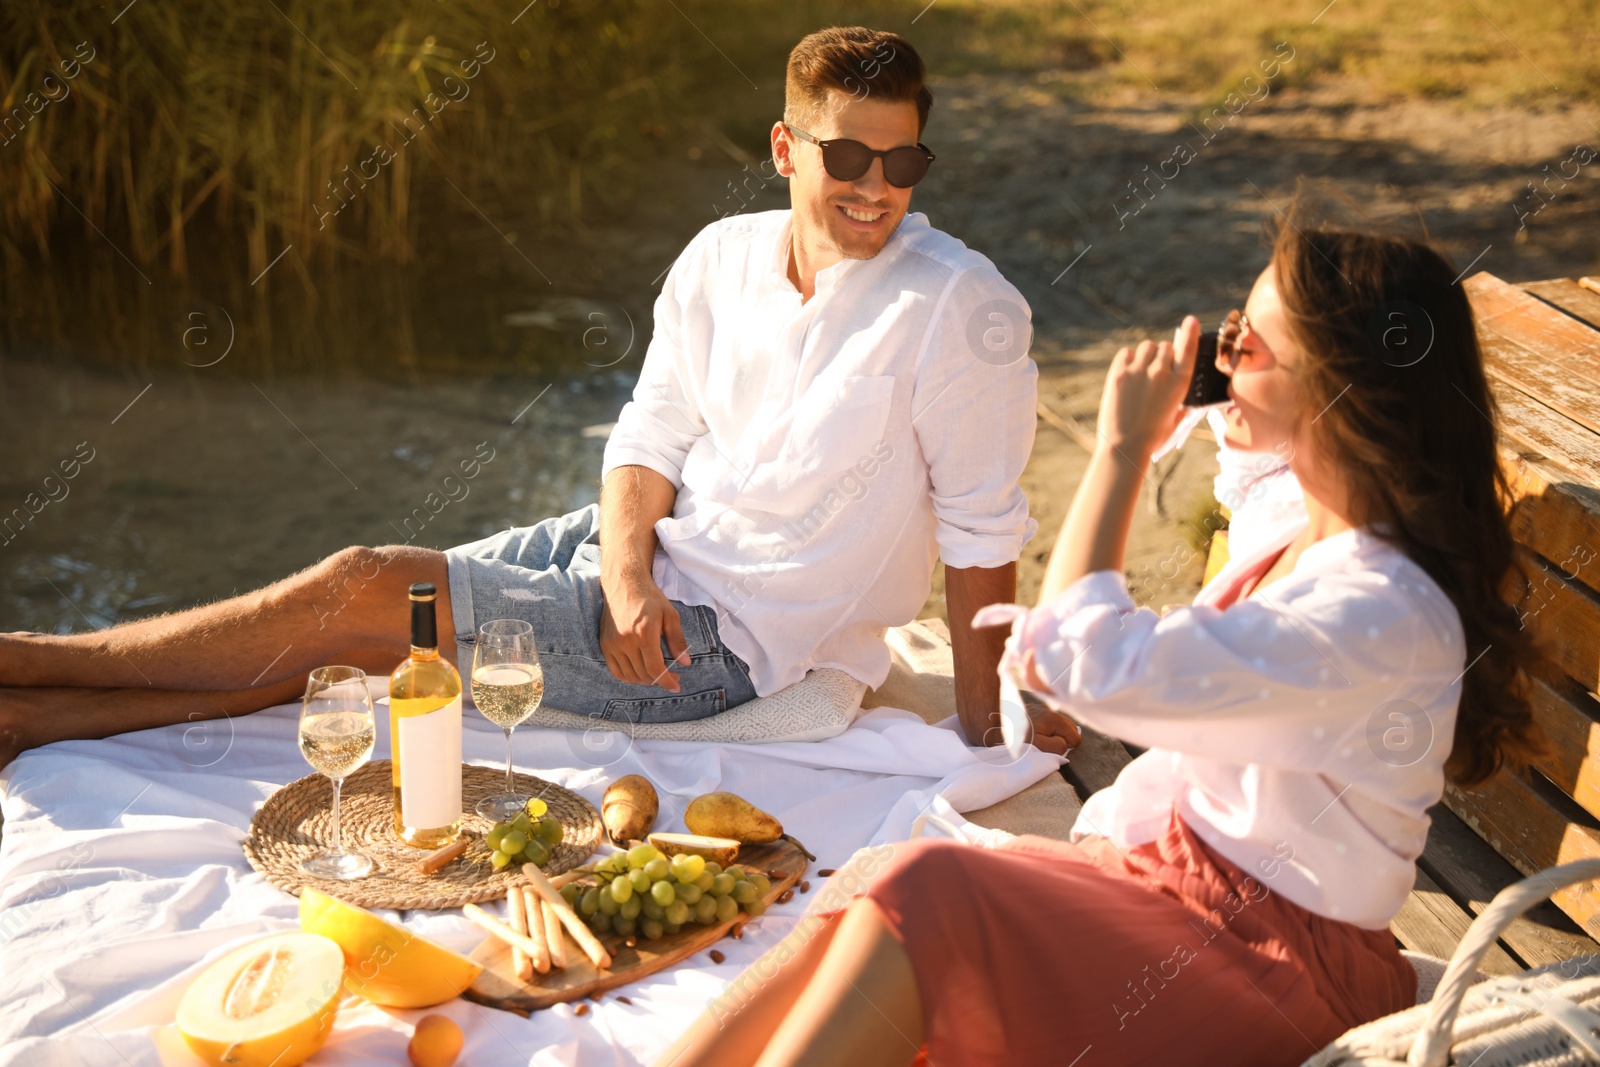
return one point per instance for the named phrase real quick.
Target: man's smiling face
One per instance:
(852, 220)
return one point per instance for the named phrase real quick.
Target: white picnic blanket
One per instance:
(121, 875)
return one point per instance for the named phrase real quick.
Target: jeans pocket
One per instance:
(682, 707)
(699, 626)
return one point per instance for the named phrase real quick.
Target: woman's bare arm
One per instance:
(1140, 407)
(1095, 535)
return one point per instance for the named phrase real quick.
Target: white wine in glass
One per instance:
(507, 686)
(336, 737)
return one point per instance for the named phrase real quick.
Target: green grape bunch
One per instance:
(530, 837)
(642, 893)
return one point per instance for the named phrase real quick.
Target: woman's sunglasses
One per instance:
(846, 160)
(1231, 334)
(1208, 385)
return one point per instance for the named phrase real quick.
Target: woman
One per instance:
(1227, 899)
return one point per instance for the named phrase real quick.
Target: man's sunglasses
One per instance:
(846, 160)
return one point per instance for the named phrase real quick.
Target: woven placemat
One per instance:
(297, 821)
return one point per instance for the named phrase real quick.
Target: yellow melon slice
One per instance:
(387, 964)
(271, 1002)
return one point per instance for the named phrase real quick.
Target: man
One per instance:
(833, 397)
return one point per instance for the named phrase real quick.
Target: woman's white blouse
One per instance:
(1300, 732)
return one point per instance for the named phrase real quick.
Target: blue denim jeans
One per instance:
(549, 576)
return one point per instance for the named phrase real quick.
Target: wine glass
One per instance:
(507, 685)
(336, 736)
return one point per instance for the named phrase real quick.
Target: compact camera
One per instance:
(1209, 386)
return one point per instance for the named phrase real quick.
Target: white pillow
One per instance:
(823, 704)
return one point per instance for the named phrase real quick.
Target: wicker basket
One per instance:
(1546, 1016)
(297, 821)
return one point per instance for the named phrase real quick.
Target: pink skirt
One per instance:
(1044, 952)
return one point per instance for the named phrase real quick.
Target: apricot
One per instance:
(436, 1042)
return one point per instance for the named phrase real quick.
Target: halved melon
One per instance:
(385, 963)
(271, 1002)
(712, 849)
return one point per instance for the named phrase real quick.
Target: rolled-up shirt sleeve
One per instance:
(973, 413)
(1281, 680)
(658, 426)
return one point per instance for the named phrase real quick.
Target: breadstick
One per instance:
(536, 930)
(571, 876)
(575, 926)
(516, 908)
(433, 861)
(500, 929)
(552, 926)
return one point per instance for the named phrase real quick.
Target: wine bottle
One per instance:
(425, 734)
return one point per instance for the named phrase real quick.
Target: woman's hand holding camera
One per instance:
(1142, 403)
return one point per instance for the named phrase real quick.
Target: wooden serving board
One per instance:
(499, 987)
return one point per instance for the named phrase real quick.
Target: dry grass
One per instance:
(200, 119)
(206, 118)
(1477, 50)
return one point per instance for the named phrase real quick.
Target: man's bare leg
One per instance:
(37, 715)
(354, 598)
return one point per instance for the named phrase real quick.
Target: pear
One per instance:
(730, 815)
(629, 809)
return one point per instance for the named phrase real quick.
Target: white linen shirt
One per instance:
(1301, 732)
(827, 453)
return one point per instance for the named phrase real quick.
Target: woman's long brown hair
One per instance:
(1392, 364)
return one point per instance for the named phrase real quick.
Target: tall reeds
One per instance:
(294, 122)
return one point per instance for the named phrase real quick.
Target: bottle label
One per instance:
(430, 767)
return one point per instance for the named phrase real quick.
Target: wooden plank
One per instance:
(1532, 323)
(1531, 834)
(1562, 613)
(1570, 297)
(1562, 388)
(1556, 517)
(1430, 922)
(1472, 873)
(1567, 715)
(1562, 442)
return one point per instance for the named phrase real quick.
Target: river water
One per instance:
(129, 494)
